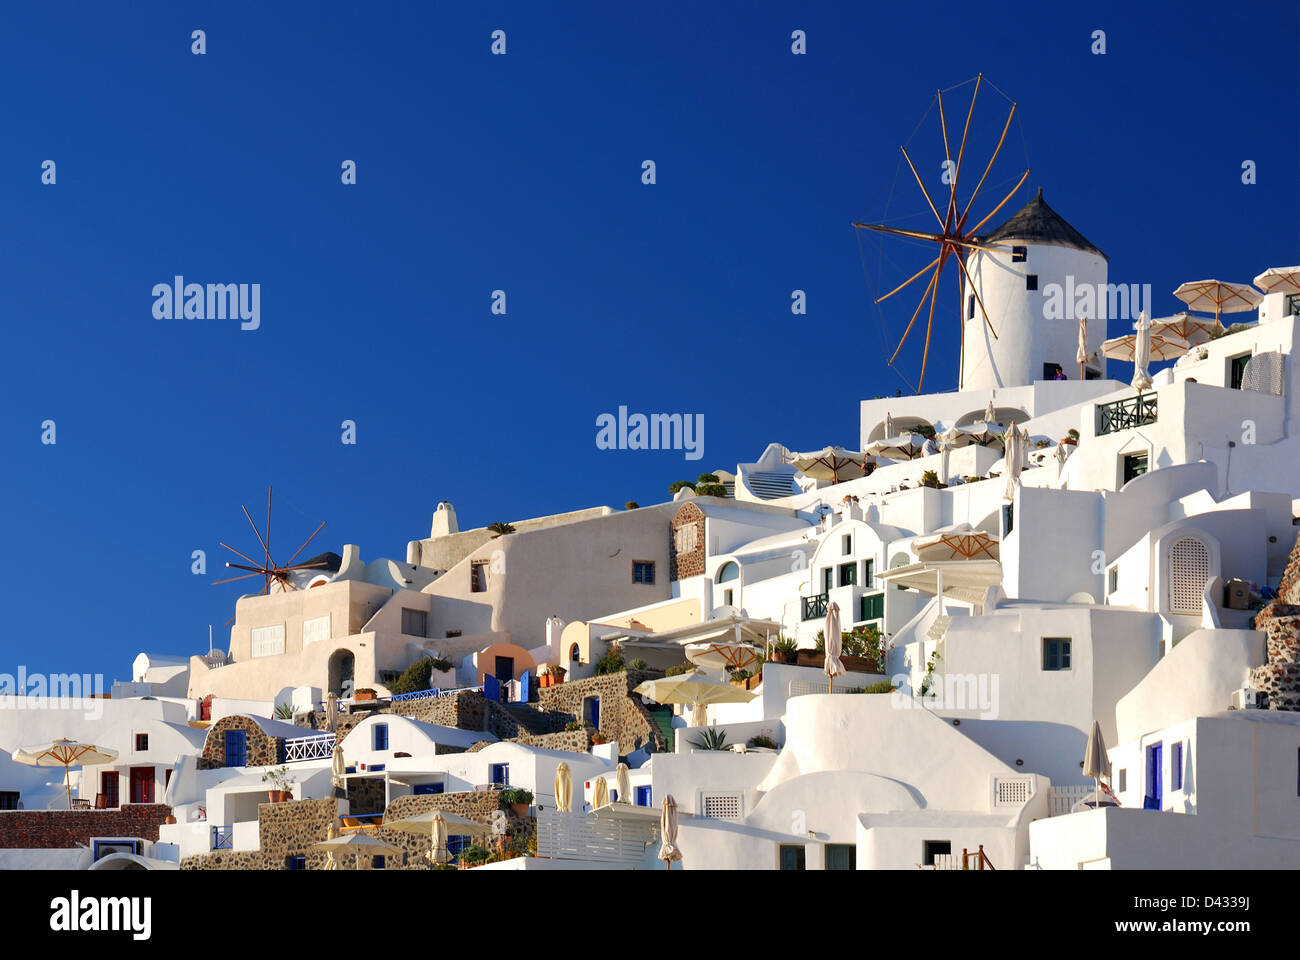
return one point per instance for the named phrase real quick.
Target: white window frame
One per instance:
(266, 641)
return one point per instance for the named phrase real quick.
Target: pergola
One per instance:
(964, 580)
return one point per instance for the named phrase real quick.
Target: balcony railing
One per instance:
(309, 748)
(1125, 414)
(428, 694)
(814, 607)
(223, 838)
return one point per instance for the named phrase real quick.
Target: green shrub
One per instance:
(476, 855)
(572, 725)
(631, 505)
(762, 740)
(637, 664)
(884, 686)
(679, 669)
(516, 795)
(711, 738)
(611, 662)
(785, 649)
(415, 677)
(678, 484)
(710, 490)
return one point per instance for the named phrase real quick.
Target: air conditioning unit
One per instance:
(1244, 698)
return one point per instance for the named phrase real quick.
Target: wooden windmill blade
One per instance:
(956, 239)
(268, 569)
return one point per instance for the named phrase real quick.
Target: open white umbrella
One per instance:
(623, 783)
(1142, 353)
(695, 689)
(1219, 296)
(957, 545)
(1096, 763)
(1279, 280)
(1161, 346)
(905, 446)
(723, 654)
(360, 844)
(66, 754)
(668, 851)
(832, 665)
(832, 463)
(1184, 327)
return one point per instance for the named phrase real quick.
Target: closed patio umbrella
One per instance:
(1081, 354)
(623, 783)
(832, 665)
(330, 833)
(668, 851)
(66, 754)
(989, 415)
(1014, 461)
(1096, 763)
(563, 788)
(338, 768)
(600, 795)
(331, 711)
(438, 837)
(1142, 353)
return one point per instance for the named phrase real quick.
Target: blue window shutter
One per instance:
(236, 748)
(643, 797)
(380, 740)
(491, 688)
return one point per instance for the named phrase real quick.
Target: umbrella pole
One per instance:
(67, 783)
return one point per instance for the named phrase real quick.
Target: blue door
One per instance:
(593, 711)
(525, 688)
(1155, 793)
(236, 748)
(642, 796)
(491, 688)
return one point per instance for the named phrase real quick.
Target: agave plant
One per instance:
(711, 738)
(500, 529)
(284, 711)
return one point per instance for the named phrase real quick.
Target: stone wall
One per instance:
(1279, 677)
(622, 715)
(61, 829)
(479, 805)
(263, 750)
(686, 550)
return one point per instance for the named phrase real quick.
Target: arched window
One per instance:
(729, 572)
(1189, 571)
(900, 560)
(573, 653)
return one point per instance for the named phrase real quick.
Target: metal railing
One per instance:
(815, 606)
(309, 748)
(1125, 414)
(223, 838)
(428, 694)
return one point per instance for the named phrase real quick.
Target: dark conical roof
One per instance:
(1036, 222)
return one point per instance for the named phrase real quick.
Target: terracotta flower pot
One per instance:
(363, 696)
(279, 796)
(520, 809)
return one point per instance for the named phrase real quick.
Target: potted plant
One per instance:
(738, 678)
(930, 479)
(281, 782)
(518, 800)
(364, 693)
(598, 738)
(557, 673)
(785, 650)
(1071, 438)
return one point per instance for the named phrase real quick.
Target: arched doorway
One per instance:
(342, 669)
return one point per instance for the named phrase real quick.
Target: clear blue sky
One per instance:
(522, 173)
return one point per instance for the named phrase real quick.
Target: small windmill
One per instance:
(268, 569)
(956, 238)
